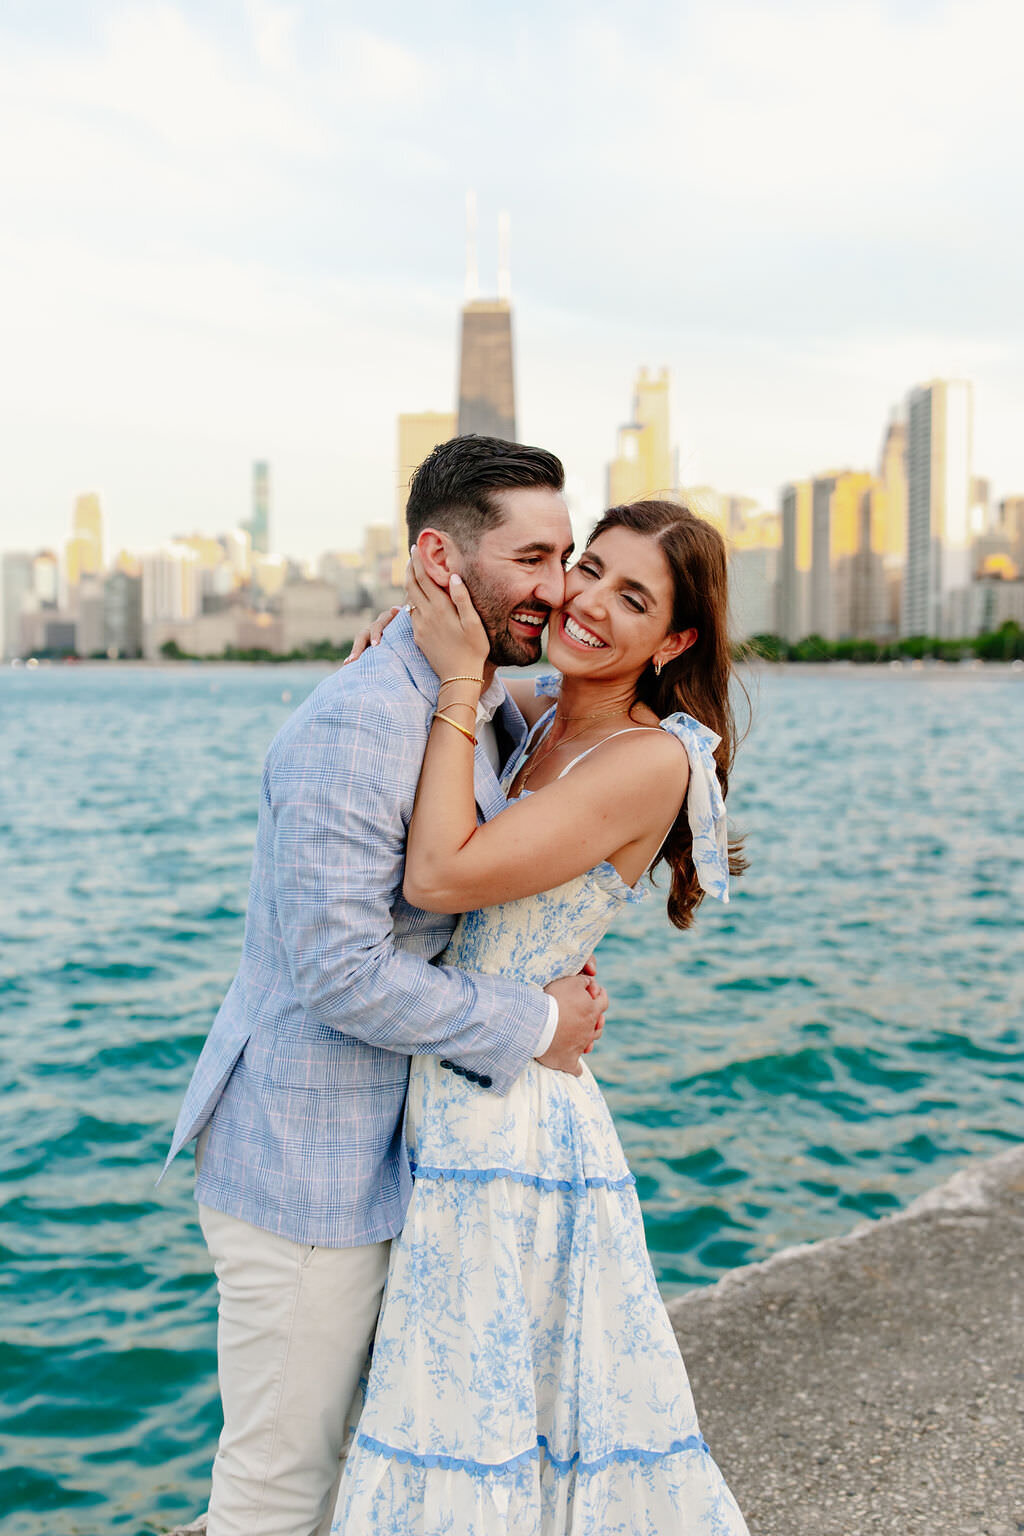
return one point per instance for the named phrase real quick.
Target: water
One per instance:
(843, 1035)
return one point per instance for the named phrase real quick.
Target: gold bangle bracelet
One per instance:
(462, 678)
(460, 728)
(455, 703)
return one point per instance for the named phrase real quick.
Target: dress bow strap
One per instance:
(546, 685)
(705, 808)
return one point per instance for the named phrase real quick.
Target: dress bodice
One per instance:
(537, 938)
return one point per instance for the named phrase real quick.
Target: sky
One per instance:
(235, 230)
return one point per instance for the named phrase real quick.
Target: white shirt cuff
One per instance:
(544, 1043)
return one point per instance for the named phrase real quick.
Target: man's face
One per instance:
(516, 573)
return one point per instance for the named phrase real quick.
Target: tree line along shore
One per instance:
(1005, 644)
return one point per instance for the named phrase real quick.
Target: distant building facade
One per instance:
(487, 397)
(171, 584)
(939, 493)
(796, 507)
(418, 433)
(643, 464)
(891, 518)
(840, 530)
(258, 525)
(122, 614)
(17, 586)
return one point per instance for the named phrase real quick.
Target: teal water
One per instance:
(840, 1037)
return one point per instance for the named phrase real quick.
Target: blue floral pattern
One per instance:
(705, 806)
(525, 1374)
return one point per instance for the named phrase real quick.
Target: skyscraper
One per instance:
(643, 462)
(796, 508)
(486, 374)
(841, 529)
(170, 584)
(83, 551)
(486, 388)
(939, 448)
(16, 587)
(258, 526)
(891, 518)
(122, 613)
(418, 433)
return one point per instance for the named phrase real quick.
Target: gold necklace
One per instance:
(537, 757)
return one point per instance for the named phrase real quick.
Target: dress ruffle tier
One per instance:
(525, 1374)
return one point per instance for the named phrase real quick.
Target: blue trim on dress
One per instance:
(488, 1176)
(488, 1468)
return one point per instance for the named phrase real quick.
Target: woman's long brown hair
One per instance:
(699, 680)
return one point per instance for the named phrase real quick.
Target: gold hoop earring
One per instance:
(657, 668)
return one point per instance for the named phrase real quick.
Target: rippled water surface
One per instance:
(841, 1036)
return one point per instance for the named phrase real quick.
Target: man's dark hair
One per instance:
(454, 488)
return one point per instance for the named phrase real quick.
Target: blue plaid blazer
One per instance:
(302, 1079)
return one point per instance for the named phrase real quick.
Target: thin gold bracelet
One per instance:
(462, 678)
(455, 703)
(460, 728)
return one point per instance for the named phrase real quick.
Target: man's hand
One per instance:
(582, 1005)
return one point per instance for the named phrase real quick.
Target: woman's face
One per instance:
(618, 609)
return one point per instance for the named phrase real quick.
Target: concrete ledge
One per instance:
(873, 1384)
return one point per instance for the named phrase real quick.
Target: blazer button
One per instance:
(484, 1080)
(459, 1071)
(447, 1065)
(471, 1077)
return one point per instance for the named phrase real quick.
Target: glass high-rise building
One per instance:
(258, 526)
(797, 516)
(643, 463)
(16, 586)
(939, 481)
(487, 401)
(418, 433)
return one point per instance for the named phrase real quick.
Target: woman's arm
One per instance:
(619, 800)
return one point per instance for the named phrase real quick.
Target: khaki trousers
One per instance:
(294, 1323)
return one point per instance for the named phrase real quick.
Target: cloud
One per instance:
(241, 229)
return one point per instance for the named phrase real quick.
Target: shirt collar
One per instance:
(491, 701)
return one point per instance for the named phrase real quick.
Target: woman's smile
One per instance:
(579, 634)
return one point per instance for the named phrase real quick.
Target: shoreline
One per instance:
(929, 667)
(872, 1384)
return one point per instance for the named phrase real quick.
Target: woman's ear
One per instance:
(438, 554)
(674, 645)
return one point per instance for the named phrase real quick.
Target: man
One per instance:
(299, 1092)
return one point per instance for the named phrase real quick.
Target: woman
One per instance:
(526, 1378)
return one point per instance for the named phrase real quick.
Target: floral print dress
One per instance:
(526, 1378)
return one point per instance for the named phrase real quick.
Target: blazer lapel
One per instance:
(490, 797)
(487, 791)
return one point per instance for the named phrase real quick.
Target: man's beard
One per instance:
(495, 608)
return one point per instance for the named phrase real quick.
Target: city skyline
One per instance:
(915, 547)
(199, 270)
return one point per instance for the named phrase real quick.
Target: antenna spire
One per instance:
(472, 274)
(504, 269)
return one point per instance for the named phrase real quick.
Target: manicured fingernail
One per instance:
(456, 580)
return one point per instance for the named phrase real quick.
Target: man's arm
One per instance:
(338, 788)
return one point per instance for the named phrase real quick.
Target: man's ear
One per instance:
(439, 555)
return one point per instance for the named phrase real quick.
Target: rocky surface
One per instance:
(873, 1385)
